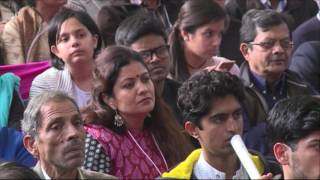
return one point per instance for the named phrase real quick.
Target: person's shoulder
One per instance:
(88, 174)
(99, 131)
(9, 133)
(47, 78)
(306, 27)
(51, 72)
(296, 84)
(172, 83)
(293, 76)
(312, 44)
(307, 50)
(26, 13)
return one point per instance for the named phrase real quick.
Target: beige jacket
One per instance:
(25, 35)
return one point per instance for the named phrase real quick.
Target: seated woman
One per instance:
(25, 37)
(195, 40)
(74, 40)
(132, 134)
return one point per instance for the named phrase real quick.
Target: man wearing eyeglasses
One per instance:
(265, 45)
(146, 35)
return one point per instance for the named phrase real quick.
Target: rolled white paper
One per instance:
(244, 157)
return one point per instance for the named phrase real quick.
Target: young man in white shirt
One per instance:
(210, 103)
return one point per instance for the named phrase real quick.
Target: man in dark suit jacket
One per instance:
(308, 31)
(306, 62)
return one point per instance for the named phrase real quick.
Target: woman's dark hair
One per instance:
(139, 25)
(55, 27)
(193, 14)
(162, 123)
(14, 170)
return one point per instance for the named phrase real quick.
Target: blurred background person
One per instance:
(296, 11)
(306, 62)
(14, 170)
(307, 31)
(108, 14)
(24, 37)
(110, 17)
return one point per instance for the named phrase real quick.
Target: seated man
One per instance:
(266, 46)
(146, 35)
(210, 103)
(294, 131)
(54, 134)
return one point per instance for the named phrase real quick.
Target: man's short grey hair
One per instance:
(32, 115)
(264, 19)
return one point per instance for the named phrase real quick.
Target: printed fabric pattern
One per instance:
(127, 160)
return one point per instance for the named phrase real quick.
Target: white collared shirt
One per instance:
(46, 176)
(203, 170)
(318, 15)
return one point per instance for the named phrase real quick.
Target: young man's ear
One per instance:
(244, 49)
(191, 129)
(281, 152)
(31, 145)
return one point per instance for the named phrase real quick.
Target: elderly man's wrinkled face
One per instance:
(60, 139)
(269, 52)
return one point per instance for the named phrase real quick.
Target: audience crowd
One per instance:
(157, 89)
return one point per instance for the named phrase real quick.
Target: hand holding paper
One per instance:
(244, 157)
